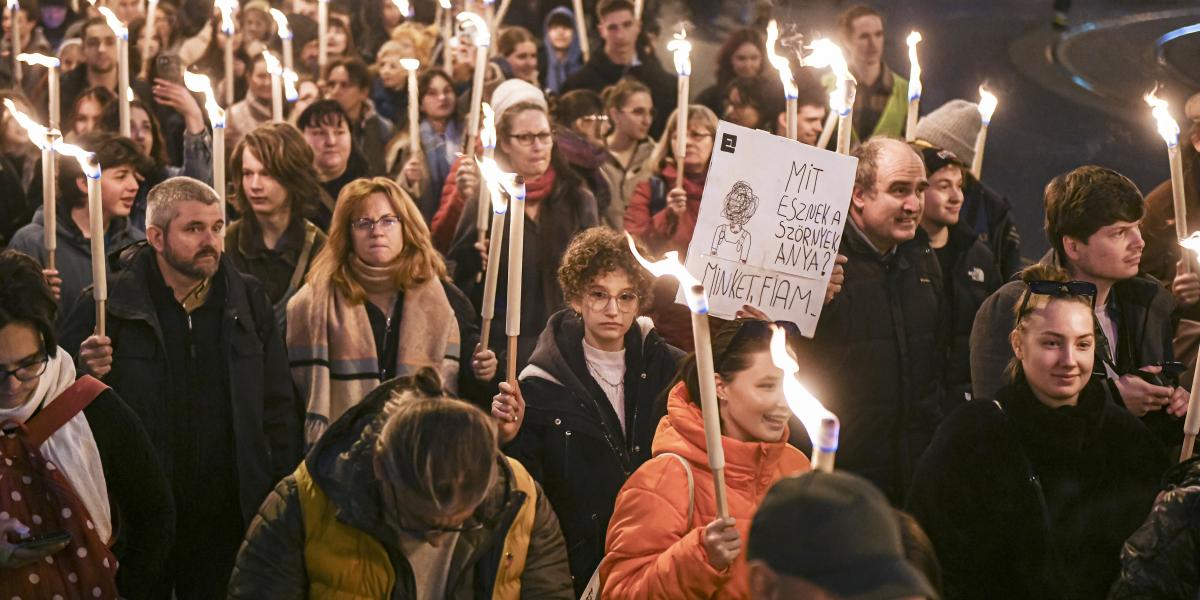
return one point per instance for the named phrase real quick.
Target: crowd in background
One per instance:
(289, 392)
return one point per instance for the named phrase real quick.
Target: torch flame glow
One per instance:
(487, 130)
(671, 266)
(281, 23)
(87, 160)
(38, 135)
(1167, 127)
(290, 78)
(118, 28)
(496, 181)
(987, 104)
(682, 50)
(227, 7)
(13, 5)
(1191, 242)
(405, 7)
(914, 82)
(477, 27)
(273, 65)
(824, 53)
(40, 60)
(804, 405)
(410, 64)
(201, 85)
(779, 62)
(445, 4)
(129, 95)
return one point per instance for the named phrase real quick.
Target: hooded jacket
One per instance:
(572, 441)
(652, 550)
(332, 503)
(876, 359)
(601, 72)
(1144, 338)
(265, 414)
(73, 255)
(1032, 501)
(556, 71)
(1161, 560)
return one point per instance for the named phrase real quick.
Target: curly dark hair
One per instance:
(596, 252)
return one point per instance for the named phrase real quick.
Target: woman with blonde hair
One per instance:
(374, 306)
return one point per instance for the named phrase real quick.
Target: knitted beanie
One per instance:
(515, 91)
(954, 127)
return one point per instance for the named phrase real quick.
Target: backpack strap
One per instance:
(64, 408)
(687, 468)
(310, 236)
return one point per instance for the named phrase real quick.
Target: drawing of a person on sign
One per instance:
(731, 240)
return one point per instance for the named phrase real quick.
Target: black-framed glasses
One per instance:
(754, 329)
(598, 300)
(384, 223)
(1057, 289)
(527, 139)
(26, 372)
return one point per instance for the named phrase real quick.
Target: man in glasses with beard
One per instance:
(193, 348)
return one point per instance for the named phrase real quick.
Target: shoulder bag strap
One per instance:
(64, 408)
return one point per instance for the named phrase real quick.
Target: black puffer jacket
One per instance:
(1161, 560)
(990, 215)
(572, 441)
(1035, 502)
(876, 359)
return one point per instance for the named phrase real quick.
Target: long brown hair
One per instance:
(418, 261)
(288, 159)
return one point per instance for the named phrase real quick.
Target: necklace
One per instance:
(596, 372)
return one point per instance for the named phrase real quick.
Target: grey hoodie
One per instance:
(73, 256)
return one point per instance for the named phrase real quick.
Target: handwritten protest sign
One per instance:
(770, 222)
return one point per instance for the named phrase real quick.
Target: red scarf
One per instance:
(538, 189)
(693, 183)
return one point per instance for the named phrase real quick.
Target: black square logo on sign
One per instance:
(728, 142)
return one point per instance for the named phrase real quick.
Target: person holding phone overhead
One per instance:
(78, 458)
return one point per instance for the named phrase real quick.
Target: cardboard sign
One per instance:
(770, 223)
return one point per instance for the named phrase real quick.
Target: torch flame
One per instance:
(13, 5)
(118, 28)
(273, 65)
(227, 7)
(804, 405)
(496, 181)
(201, 85)
(487, 130)
(39, 135)
(682, 50)
(129, 95)
(671, 266)
(445, 4)
(477, 27)
(290, 78)
(823, 53)
(1167, 127)
(410, 64)
(1191, 242)
(281, 23)
(87, 160)
(405, 8)
(41, 60)
(914, 82)
(779, 62)
(987, 104)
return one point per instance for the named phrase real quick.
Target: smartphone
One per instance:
(169, 67)
(39, 542)
(1169, 376)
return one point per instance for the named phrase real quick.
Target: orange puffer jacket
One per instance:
(651, 550)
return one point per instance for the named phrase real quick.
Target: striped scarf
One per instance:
(331, 347)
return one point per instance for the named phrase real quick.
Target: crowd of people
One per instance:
(288, 390)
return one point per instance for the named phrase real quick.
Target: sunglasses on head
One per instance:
(1057, 289)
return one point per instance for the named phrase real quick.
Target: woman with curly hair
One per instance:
(590, 392)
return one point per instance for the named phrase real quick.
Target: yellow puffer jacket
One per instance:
(345, 563)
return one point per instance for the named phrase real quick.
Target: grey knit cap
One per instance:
(954, 127)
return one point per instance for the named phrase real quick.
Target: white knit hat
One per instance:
(513, 92)
(954, 127)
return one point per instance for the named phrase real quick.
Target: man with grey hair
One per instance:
(192, 347)
(885, 325)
